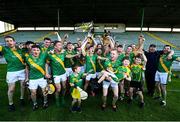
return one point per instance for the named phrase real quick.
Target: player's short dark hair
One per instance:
(69, 43)
(120, 46)
(99, 44)
(35, 46)
(167, 46)
(99, 49)
(125, 58)
(56, 41)
(152, 45)
(29, 42)
(46, 38)
(138, 56)
(74, 68)
(9, 37)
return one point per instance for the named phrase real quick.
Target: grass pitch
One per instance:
(91, 107)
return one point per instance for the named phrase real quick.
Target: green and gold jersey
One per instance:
(131, 57)
(120, 57)
(36, 66)
(25, 50)
(137, 72)
(120, 71)
(164, 64)
(108, 55)
(69, 62)
(113, 65)
(77, 79)
(91, 63)
(45, 49)
(57, 63)
(14, 58)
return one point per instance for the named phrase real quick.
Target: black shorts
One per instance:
(137, 85)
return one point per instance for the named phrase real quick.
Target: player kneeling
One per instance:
(76, 84)
(136, 84)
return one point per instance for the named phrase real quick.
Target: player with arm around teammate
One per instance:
(35, 74)
(15, 69)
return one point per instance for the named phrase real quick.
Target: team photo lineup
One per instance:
(86, 68)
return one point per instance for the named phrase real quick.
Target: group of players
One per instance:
(85, 64)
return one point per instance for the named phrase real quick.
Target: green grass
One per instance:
(91, 107)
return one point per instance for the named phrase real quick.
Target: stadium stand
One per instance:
(126, 37)
(173, 38)
(123, 38)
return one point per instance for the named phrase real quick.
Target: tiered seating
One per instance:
(132, 38)
(173, 38)
(124, 38)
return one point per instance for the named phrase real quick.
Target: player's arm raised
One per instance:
(59, 38)
(83, 47)
(144, 59)
(141, 40)
(112, 42)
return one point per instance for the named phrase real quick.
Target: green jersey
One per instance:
(77, 79)
(25, 50)
(100, 65)
(36, 66)
(69, 62)
(57, 63)
(120, 71)
(14, 58)
(108, 55)
(137, 72)
(91, 63)
(45, 49)
(112, 64)
(79, 60)
(120, 57)
(131, 57)
(164, 64)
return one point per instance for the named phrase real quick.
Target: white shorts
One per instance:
(98, 74)
(60, 78)
(68, 72)
(12, 77)
(89, 76)
(107, 84)
(161, 77)
(33, 84)
(82, 69)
